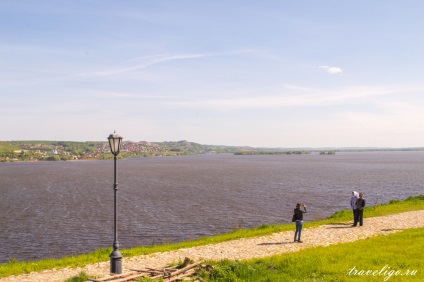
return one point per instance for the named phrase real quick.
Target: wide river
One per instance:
(54, 209)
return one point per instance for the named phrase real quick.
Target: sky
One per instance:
(223, 72)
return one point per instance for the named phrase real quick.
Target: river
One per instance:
(55, 209)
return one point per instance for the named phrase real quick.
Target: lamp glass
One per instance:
(115, 143)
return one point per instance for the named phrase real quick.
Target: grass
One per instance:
(8, 147)
(380, 258)
(16, 267)
(81, 277)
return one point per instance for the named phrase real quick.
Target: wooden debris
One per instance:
(121, 277)
(168, 274)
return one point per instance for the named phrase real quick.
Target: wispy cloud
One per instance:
(332, 70)
(149, 61)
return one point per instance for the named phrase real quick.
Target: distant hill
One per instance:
(32, 150)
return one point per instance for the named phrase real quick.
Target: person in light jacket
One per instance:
(353, 200)
(360, 205)
(298, 212)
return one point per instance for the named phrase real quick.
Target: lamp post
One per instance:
(115, 257)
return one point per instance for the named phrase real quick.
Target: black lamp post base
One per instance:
(116, 262)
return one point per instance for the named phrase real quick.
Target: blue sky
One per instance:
(257, 73)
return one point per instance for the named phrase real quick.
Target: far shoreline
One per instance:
(220, 154)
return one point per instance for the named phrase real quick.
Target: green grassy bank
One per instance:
(16, 267)
(395, 257)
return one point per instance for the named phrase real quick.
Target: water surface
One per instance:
(53, 209)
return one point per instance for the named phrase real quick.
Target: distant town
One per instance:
(63, 151)
(31, 151)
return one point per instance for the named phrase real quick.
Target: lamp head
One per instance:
(115, 143)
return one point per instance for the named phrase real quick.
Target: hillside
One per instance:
(32, 150)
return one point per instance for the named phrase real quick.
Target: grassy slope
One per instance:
(15, 267)
(7, 147)
(382, 256)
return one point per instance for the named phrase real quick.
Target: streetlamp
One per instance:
(115, 257)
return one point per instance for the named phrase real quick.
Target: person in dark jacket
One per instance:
(298, 212)
(360, 205)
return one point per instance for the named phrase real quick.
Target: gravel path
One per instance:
(257, 247)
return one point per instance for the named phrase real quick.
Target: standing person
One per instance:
(360, 205)
(353, 200)
(298, 213)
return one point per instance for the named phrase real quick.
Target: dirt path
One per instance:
(257, 247)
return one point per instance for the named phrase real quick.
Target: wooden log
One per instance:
(124, 279)
(152, 271)
(190, 266)
(156, 277)
(142, 270)
(112, 277)
(188, 273)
